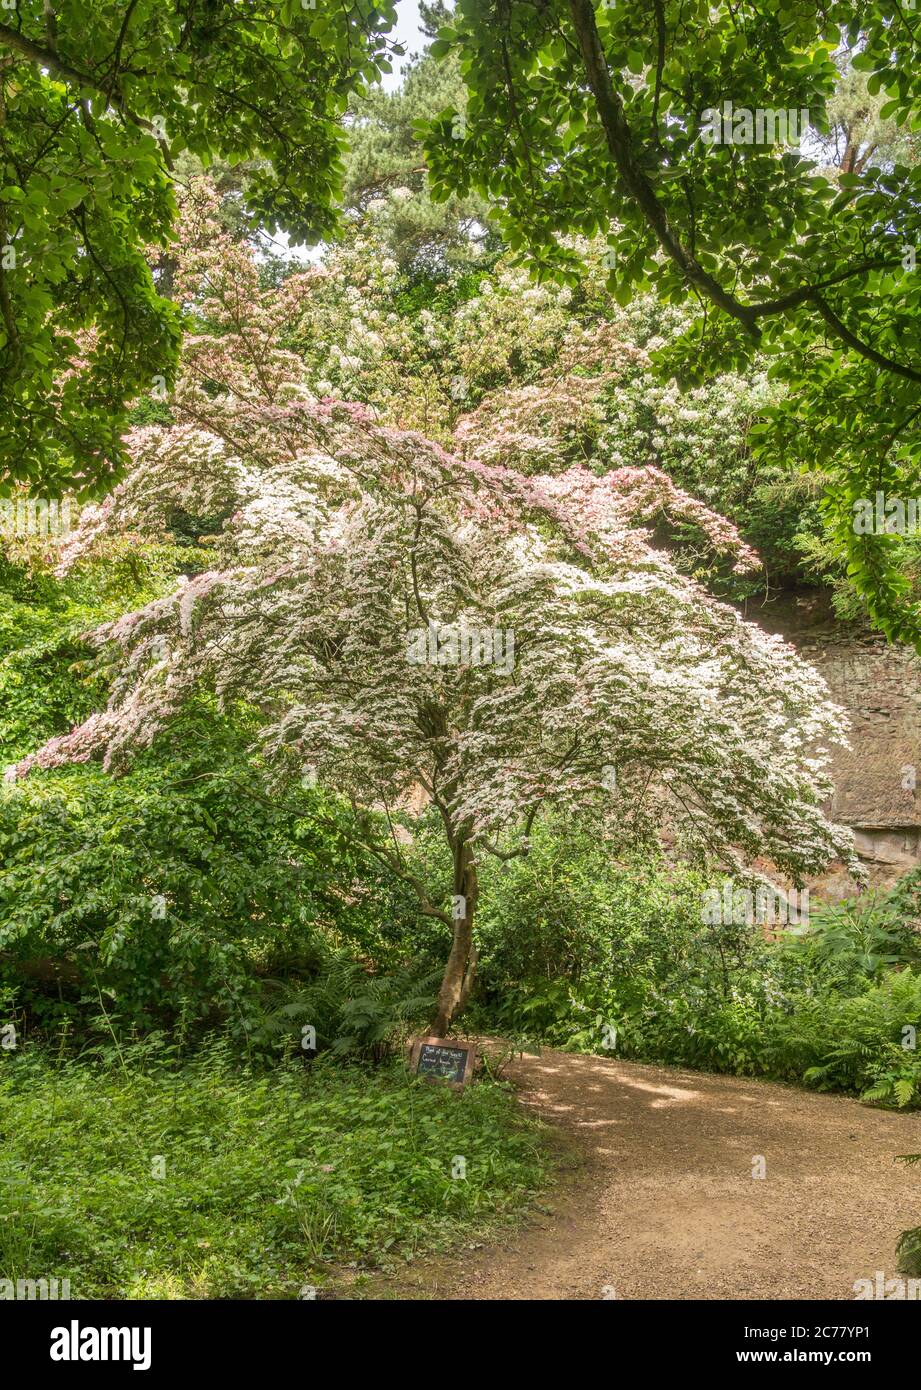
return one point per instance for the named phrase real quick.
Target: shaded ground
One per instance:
(663, 1204)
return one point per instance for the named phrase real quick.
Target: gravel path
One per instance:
(663, 1204)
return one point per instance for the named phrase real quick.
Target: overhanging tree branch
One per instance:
(369, 841)
(48, 58)
(842, 331)
(45, 57)
(117, 54)
(620, 144)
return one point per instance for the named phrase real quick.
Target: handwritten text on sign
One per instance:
(440, 1059)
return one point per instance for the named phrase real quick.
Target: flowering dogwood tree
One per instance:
(405, 620)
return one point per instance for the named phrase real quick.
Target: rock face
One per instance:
(878, 781)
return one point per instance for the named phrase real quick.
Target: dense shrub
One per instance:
(584, 954)
(351, 1010)
(175, 889)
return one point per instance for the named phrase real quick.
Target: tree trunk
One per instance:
(460, 969)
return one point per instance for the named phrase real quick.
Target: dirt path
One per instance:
(662, 1203)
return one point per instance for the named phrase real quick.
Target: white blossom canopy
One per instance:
(404, 618)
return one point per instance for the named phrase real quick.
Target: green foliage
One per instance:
(177, 888)
(269, 1177)
(833, 1042)
(908, 1248)
(48, 679)
(860, 937)
(96, 105)
(586, 121)
(566, 913)
(355, 1012)
(905, 899)
(856, 1043)
(429, 240)
(247, 883)
(158, 886)
(573, 947)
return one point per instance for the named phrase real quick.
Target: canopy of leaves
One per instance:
(95, 102)
(598, 121)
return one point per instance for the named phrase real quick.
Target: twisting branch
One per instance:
(842, 331)
(620, 144)
(45, 57)
(117, 52)
(423, 611)
(660, 64)
(49, 58)
(51, 23)
(396, 865)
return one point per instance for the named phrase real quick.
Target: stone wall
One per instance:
(880, 687)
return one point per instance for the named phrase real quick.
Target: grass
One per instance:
(211, 1180)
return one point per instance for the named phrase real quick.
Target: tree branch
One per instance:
(46, 57)
(842, 331)
(620, 144)
(51, 23)
(117, 52)
(370, 842)
(660, 64)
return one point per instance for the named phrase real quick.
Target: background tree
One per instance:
(539, 376)
(95, 103)
(424, 237)
(592, 121)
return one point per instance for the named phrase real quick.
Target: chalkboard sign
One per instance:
(443, 1059)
